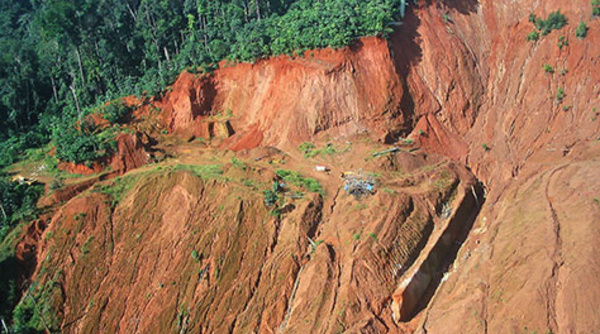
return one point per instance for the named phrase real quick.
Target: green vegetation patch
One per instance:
(293, 177)
(533, 36)
(17, 203)
(36, 312)
(560, 94)
(562, 42)
(117, 190)
(207, 172)
(596, 7)
(310, 151)
(84, 144)
(116, 112)
(239, 164)
(582, 30)
(554, 21)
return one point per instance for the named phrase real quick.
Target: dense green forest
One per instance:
(60, 58)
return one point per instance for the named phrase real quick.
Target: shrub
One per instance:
(329, 149)
(562, 42)
(270, 198)
(310, 151)
(298, 180)
(195, 256)
(116, 112)
(37, 314)
(533, 36)
(560, 94)
(238, 163)
(84, 145)
(117, 189)
(86, 246)
(548, 68)
(18, 203)
(596, 7)
(306, 148)
(556, 20)
(582, 30)
(207, 172)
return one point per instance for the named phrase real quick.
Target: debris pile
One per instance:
(358, 185)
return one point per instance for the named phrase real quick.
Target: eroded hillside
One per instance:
(193, 248)
(187, 241)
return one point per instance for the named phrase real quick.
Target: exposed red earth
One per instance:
(487, 219)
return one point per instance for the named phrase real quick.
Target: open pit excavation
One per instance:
(441, 180)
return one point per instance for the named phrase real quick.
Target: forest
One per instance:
(60, 59)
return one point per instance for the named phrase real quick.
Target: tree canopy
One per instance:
(59, 58)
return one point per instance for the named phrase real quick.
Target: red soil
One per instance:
(463, 73)
(286, 100)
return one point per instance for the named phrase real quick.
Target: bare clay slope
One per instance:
(531, 260)
(466, 76)
(179, 250)
(284, 101)
(171, 250)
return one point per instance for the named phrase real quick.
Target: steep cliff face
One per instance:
(179, 249)
(283, 100)
(528, 263)
(471, 65)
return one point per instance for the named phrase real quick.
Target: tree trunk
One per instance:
(55, 93)
(132, 13)
(3, 212)
(167, 55)
(80, 66)
(204, 33)
(76, 100)
(5, 327)
(257, 9)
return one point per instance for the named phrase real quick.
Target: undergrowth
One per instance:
(117, 189)
(298, 180)
(310, 150)
(554, 21)
(36, 313)
(206, 172)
